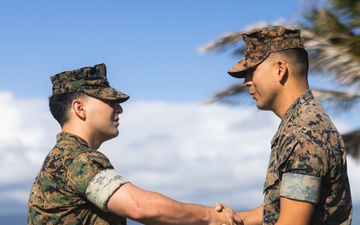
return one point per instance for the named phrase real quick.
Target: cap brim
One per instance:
(108, 93)
(239, 69)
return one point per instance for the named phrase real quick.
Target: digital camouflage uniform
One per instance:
(60, 191)
(307, 143)
(75, 181)
(308, 160)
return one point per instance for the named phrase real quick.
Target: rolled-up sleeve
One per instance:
(102, 187)
(300, 187)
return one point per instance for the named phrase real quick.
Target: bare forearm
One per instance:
(160, 210)
(153, 208)
(252, 217)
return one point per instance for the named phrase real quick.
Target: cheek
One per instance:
(96, 114)
(258, 83)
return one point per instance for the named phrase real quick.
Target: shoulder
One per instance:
(90, 158)
(310, 124)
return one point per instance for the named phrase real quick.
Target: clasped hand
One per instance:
(231, 218)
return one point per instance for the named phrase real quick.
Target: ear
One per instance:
(282, 70)
(78, 107)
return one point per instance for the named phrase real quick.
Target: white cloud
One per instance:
(25, 137)
(190, 152)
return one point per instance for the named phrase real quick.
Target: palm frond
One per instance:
(334, 47)
(224, 43)
(352, 143)
(349, 10)
(234, 95)
(233, 42)
(336, 101)
(334, 60)
(325, 23)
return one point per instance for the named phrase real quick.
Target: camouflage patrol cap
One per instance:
(260, 44)
(91, 80)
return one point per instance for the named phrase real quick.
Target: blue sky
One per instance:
(168, 142)
(149, 47)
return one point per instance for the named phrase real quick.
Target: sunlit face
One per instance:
(102, 117)
(262, 83)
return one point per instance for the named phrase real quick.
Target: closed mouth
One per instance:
(252, 95)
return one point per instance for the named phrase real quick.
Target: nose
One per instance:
(118, 108)
(248, 79)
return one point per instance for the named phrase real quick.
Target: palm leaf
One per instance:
(233, 42)
(333, 48)
(349, 11)
(336, 101)
(234, 95)
(352, 143)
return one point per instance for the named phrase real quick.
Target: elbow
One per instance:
(138, 212)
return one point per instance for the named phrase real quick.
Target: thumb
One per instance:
(218, 207)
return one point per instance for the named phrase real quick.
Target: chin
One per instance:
(259, 106)
(112, 135)
(262, 107)
(116, 133)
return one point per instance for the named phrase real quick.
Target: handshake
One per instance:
(224, 215)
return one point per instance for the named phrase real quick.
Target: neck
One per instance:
(82, 132)
(286, 100)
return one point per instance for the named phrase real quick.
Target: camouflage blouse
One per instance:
(308, 163)
(60, 193)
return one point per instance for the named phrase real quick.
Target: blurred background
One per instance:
(188, 131)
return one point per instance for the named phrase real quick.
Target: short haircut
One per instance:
(298, 58)
(59, 105)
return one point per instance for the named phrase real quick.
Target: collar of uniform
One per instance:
(66, 136)
(304, 97)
